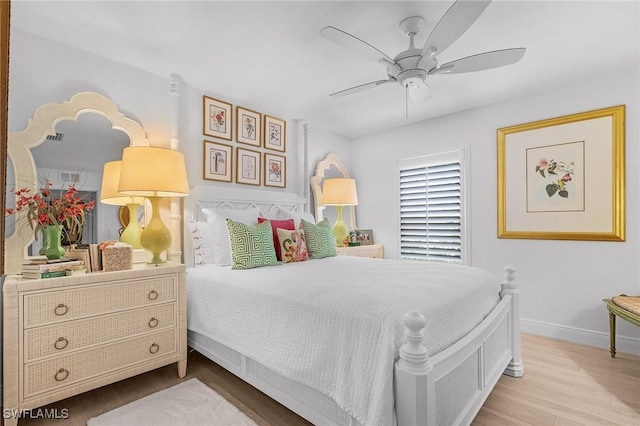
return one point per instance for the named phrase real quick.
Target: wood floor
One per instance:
(564, 384)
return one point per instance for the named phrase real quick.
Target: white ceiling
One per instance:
(268, 56)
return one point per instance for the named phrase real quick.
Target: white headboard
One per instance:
(233, 198)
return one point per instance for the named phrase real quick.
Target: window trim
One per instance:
(461, 155)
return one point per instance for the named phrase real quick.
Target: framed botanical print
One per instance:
(247, 166)
(563, 178)
(217, 161)
(275, 133)
(217, 117)
(248, 126)
(275, 170)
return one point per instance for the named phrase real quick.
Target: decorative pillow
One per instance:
(320, 241)
(275, 224)
(281, 213)
(217, 217)
(293, 245)
(202, 239)
(251, 246)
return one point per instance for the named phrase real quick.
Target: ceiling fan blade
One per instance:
(354, 44)
(481, 61)
(460, 16)
(362, 87)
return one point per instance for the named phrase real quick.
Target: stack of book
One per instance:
(40, 267)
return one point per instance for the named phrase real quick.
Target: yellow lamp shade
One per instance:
(109, 191)
(339, 192)
(153, 172)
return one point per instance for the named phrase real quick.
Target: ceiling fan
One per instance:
(413, 66)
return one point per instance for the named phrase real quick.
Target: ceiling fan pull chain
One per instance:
(406, 102)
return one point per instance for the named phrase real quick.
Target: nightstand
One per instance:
(64, 336)
(372, 250)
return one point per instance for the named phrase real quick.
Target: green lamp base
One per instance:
(131, 234)
(340, 228)
(156, 237)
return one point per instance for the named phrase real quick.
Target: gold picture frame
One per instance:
(217, 118)
(563, 178)
(248, 166)
(275, 170)
(248, 126)
(274, 133)
(217, 161)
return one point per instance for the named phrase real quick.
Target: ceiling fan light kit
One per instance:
(410, 68)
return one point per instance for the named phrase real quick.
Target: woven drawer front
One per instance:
(361, 251)
(62, 305)
(64, 337)
(65, 370)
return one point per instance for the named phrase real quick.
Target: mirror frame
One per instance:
(331, 159)
(43, 123)
(5, 8)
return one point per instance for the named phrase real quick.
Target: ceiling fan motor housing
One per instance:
(405, 69)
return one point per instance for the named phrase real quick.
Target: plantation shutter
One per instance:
(431, 216)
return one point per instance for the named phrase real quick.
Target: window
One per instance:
(432, 207)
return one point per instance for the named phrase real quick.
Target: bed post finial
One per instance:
(413, 355)
(510, 288)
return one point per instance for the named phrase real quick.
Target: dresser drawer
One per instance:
(62, 305)
(374, 250)
(66, 370)
(63, 337)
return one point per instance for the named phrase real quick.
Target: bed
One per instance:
(318, 349)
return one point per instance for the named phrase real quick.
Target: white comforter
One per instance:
(335, 324)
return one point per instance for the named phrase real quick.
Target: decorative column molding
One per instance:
(175, 217)
(305, 153)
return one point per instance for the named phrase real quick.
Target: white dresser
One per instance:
(371, 250)
(64, 336)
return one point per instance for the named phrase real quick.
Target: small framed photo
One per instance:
(217, 117)
(247, 166)
(365, 236)
(217, 161)
(275, 133)
(275, 170)
(248, 126)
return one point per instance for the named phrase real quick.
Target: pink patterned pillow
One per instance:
(292, 245)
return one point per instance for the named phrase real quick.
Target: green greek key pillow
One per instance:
(251, 245)
(320, 241)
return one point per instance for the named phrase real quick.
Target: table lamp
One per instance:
(109, 195)
(153, 173)
(339, 192)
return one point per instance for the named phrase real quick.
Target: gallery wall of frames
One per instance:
(257, 157)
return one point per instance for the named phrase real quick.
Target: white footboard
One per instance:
(450, 388)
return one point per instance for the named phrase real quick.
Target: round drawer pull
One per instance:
(61, 343)
(154, 348)
(153, 295)
(153, 322)
(61, 309)
(61, 375)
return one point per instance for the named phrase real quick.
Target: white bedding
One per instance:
(335, 324)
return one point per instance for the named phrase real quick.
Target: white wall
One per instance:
(563, 282)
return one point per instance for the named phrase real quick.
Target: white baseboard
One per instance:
(580, 335)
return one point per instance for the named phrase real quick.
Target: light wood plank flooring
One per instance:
(564, 384)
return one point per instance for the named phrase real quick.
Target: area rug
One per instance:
(189, 403)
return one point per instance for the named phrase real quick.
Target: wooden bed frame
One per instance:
(448, 388)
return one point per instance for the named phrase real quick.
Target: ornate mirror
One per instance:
(23, 167)
(330, 167)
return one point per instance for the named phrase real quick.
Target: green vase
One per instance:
(45, 242)
(52, 249)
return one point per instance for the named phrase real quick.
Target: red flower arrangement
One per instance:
(42, 210)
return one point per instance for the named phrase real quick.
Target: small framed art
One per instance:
(247, 166)
(365, 236)
(248, 126)
(217, 161)
(275, 133)
(275, 170)
(217, 117)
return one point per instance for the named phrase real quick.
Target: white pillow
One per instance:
(221, 240)
(281, 213)
(202, 240)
